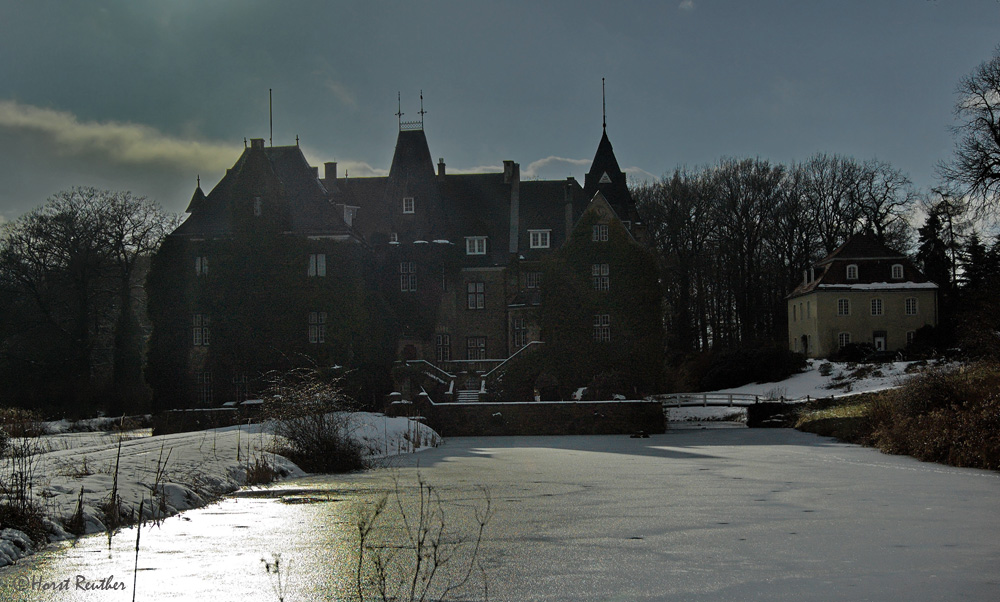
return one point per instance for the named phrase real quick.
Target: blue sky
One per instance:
(145, 96)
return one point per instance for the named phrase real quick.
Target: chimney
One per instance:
(568, 198)
(512, 176)
(316, 172)
(257, 143)
(441, 167)
(330, 170)
(812, 274)
(805, 276)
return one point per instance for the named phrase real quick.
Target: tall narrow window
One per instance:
(393, 237)
(317, 327)
(795, 313)
(911, 306)
(201, 265)
(200, 330)
(844, 339)
(317, 264)
(600, 233)
(476, 295)
(602, 328)
(876, 307)
(407, 204)
(897, 271)
(475, 245)
(204, 387)
(532, 279)
(519, 331)
(407, 276)
(539, 239)
(442, 347)
(475, 348)
(910, 335)
(852, 272)
(599, 275)
(256, 206)
(843, 307)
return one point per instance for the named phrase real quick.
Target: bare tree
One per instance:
(69, 269)
(974, 172)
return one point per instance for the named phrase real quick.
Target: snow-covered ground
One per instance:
(74, 472)
(837, 379)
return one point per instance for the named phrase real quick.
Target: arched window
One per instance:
(897, 271)
(852, 272)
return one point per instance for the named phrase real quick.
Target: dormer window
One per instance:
(852, 272)
(407, 204)
(475, 245)
(539, 239)
(349, 213)
(897, 271)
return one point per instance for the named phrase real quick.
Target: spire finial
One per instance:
(199, 180)
(399, 110)
(422, 111)
(604, 108)
(296, 139)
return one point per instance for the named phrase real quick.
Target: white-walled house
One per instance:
(863, 292)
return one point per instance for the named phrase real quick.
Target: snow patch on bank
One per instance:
(74, 472)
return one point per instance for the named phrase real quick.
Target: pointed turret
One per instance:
(607, 177)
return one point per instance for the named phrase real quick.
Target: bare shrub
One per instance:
(310, 414)
(19, 422)
(426, 555)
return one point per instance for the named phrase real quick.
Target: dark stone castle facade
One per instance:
(280, 266)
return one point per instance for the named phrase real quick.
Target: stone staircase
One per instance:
(467, 395)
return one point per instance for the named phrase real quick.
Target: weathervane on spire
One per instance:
(604, 108)
(399, 110)
(422, 111)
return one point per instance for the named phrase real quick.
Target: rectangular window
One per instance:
(241, 387)
(317, 327)
(476, 295)
(475, 245)
(203, 387)
(795, 313)
(602, 328)
(475, 348)
(539, 238)
(843, 307)
(600, 233)
(599, 275)
(200, 330)
(317, 265)
(911, 306)
(852, 272)
(201, 266)
(520, 332)
(897, 271)
(910, 335)
(407, 204)
(349, 214)
(393, 237)
(532, 279)
(442, 347)
(876, 307)
(844, 339)
(256, 206)
(407, 276)
(809, 309)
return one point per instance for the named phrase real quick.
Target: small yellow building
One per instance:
(863, 292)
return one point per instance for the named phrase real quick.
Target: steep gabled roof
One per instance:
(606, 176)
(874, 262)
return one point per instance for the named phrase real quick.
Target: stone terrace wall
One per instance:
(545, 418)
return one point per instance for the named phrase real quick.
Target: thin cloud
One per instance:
(342, 93)
(686, 5)
(119, 143)
(552, 163)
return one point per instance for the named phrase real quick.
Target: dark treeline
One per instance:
(72, 303)
(735, 237)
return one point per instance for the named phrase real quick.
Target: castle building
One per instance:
(280, 263)
(862, 292)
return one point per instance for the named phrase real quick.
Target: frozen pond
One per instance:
(692, 515)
